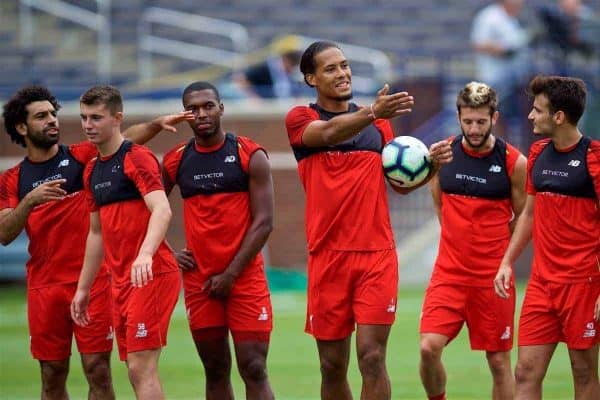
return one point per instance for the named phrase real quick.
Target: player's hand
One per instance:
(46, 192)
(168, 122)
(185, 260)
(219, 286)
(141, 270)
(388, 106)
(502, 281)
(79, 306)
(440, 154)
(597, 309)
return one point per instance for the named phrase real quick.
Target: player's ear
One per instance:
(221, 109)
(310, 79)
(118, 117)
(559, 117)
(495, 117)
(21, 128)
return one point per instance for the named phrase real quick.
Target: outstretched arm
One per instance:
(145, 131)
(261, 205)
(12, 220)
(336, 130)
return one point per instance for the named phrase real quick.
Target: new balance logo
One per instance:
(229, 159)
(574, 163)
(506, 334)
(142, 332)
(111, 334)
(263, 316)
(64, 163)
(495, 168)
(590, 330)
(115, 168)
(391, 308)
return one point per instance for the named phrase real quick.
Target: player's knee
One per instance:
(54, 375)
(333, 369)
(430, 350)
(499, 364)
(216, 369)
(140, 372)
(526, 372)
(583, 373)
(372, 362)
(97, 371)
(254, 371)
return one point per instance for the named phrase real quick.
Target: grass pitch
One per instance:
(292, 363)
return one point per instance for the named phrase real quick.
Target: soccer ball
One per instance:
(406, 161)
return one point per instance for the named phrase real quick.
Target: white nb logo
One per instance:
(229, 159)
(495, 168)
(574, 163)
(64, 163)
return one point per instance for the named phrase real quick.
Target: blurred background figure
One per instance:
(501, 50)
(276, 77)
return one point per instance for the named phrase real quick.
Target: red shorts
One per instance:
(141, 315)
(246, 309)
(490, 318)
(51, 327)
(350, 287)
(554, 312)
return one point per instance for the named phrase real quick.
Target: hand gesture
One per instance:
(46, 192)
(440, 153)
(185, 260)
(141, 270)
(388, 106)
(219, 286)
(168, 122)
(79, 306)
(503, 280)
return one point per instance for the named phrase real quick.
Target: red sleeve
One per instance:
(593, 162)
(534, 151)
(9, 188)
(247, 148)
(84, 151)
(385, 127)
(512, 155)
(171, 161)
(142, 167)
(296, 121)
(89, 197)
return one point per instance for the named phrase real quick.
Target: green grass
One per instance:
(293, 366)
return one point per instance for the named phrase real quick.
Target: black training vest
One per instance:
(219, 171)
(485, 177)
(564, 172)
(108, 181)
(62, 166)
(369, 139)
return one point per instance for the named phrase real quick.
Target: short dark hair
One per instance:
(200, 85)
(564, 94)
(15, 110)
(107, 95)
(475, 95)
(307, 61)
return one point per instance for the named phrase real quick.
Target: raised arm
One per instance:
(145, 131)
(261, 206)
(343, 127)
(13, 220)
(94, 253)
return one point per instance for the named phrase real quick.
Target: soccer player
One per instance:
(562, 214)
(43, 195)
(226, 186)
(476, 197)
(128, 221)
(352, 263)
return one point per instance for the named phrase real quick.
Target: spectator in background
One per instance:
(501, 56)
(273, 78)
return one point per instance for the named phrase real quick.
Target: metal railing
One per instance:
(149, 44)
(98, 22)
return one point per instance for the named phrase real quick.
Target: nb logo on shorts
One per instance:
(590, 330)
(142, 332)
(111, 334)
(506, 334)
(391, 308)
(263, 316)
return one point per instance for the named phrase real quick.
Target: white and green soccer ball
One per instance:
(406, 161)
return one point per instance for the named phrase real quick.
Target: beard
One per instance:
(483, 141)
(41, 140)
(345, 97)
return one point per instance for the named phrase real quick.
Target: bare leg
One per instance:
(530, 371)
(334, 356)
(433, 374)
(252, 364)
(96, 368)
(584, 365)
(143, 374)
(54, 379)
(504, 382)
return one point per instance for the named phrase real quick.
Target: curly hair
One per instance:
(15, 110)
(475, 95)
(564, 94)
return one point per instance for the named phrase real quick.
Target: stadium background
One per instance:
(152, 49)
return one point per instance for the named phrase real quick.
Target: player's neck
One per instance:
(565, 137)
(40, 154)
(210, 141)
(112, 145)
(333, 105)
